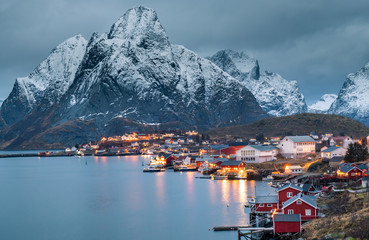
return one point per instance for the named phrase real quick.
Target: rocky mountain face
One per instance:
(132, 74)
(276, 96)
(47, 83)
(323, 104)
(352, 100)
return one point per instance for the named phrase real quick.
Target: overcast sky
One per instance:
(316, 43)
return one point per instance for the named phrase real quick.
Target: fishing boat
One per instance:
(268, 178)
(184, 168)
(153, 169)
(219, 177)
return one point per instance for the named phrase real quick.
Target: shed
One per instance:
(287, 223)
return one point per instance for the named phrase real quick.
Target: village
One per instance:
(302, 169)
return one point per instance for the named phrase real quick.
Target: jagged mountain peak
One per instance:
(131, 73)
(237, 64)
(47, 83)
(352, 100)
(276, 95)
(141, 26)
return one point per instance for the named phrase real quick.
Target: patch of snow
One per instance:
(323, 104)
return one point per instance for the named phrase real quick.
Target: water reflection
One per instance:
(160, 189)
(190, 176)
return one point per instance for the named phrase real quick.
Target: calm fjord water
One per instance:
(111, 198)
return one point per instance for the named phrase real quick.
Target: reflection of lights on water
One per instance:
(190, 192)
(225, 191)
(242, 190)
(160, 191)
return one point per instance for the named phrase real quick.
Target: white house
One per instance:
(333, 152)
(296, 146)
(340, 141)
(256, 153)
(293, 169)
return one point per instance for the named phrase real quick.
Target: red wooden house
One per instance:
(166, 158)
(233, 166)
(230, 151)
(287, 192)
(351, 170)
(286, 223)
(301, 204)
(264, 204)
(309, 189)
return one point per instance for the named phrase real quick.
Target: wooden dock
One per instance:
(228, 228)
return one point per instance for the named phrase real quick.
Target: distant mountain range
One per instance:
(133, 79)
(276, 96)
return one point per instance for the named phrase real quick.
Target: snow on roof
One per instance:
(307, 199)
(263, 148)
(330, 149)
(289, 185)
(231, 163)
(301, 138)
(266, 199)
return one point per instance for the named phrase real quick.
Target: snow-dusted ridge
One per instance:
(353, 98)
(276, 96)
(132, 72)
(48, 82)
(323, 104)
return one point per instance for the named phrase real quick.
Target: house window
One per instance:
(270, 205)
(290, 211)
(289, 194)
(307, 212)
(261, 205)
(299, 202)
(352, 174)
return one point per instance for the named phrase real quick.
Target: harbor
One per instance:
(101, 194)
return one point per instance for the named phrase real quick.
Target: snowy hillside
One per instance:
(47, 83)
(353, 98)
(133, 73)
(276, 96)
(323, 104)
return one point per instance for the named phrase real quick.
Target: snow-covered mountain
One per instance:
(276, 96)
(132, 72)
(353, 98)
(323, 104)
(47, 83)
(1, 102)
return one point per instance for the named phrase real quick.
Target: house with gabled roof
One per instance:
(301, 204)
(335, 161)
(333, 151)
(257, 153)
(351, 170)
(296, 146)
(309, 189)
(288, 191)
(342, 141)
(264, 204)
